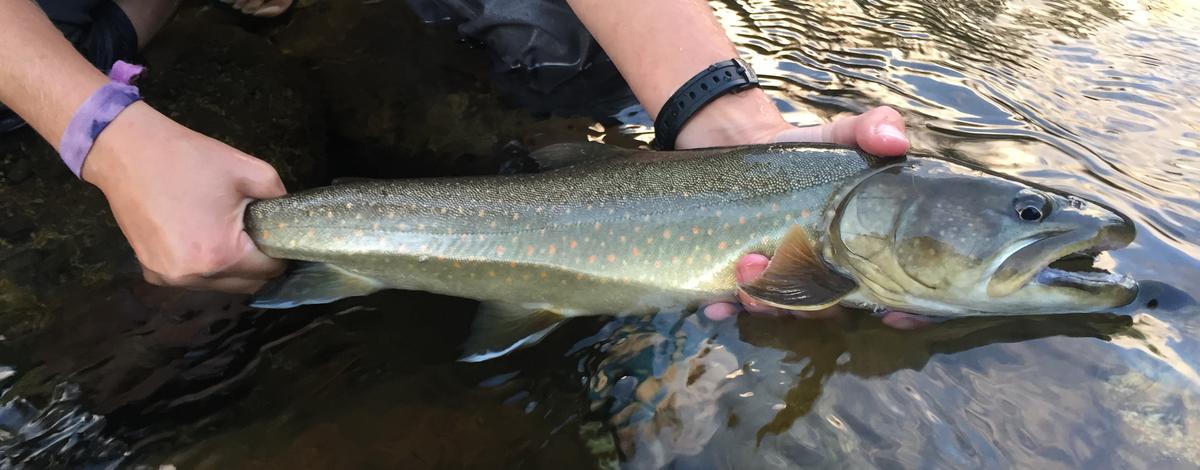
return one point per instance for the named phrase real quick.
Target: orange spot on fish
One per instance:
(266, 234)
(282, 225)
(573, 243)
(612, 258)
(310, 233)
(529, 250)
(722, 246)
(597, 226)
(499, 250)
(491, 273)
(741, 221)
(667, 234)
(551, 249)
(635, 251)
(804, 213)
(543, 275)
(695, 230)
(591, 259)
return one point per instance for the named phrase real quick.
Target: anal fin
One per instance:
(313, 283)
(502, 327)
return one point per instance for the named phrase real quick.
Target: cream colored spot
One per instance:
(310, 232)
(551, 249)
(667, 234)
(695, 230)
(266, 234)
(282, 225)
(741, 221)
(597, 226)
(358, 233)
(499, 250)
(805, 213)
(349, 205)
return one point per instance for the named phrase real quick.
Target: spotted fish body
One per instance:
(612, 231)
(632, 233)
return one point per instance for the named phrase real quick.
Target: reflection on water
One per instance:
(1092, 95)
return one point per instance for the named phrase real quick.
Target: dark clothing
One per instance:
(542, 55)
(97, 28)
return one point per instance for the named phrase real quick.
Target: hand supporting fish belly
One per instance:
(605, 230)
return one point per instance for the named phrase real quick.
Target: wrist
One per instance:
(747, 117)
(112, 156)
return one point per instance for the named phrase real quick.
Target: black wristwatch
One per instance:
(728, 76)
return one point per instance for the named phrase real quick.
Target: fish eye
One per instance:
(1031, 206)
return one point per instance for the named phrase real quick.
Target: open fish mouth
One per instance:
(1077, 270)
(1067, 260)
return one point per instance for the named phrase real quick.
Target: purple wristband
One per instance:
(96, 113)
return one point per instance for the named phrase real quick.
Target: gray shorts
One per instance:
(542, 55)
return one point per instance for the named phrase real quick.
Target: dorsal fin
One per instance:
(797, 278)
(575, 153)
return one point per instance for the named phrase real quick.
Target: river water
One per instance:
(1095, 96)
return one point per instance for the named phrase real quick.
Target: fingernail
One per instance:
(890, 132)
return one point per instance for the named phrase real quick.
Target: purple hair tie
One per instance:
(96, 113)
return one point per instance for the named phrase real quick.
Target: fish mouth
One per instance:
(1077, 270)
(1065, 260)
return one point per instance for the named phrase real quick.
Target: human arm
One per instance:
(666, 43)
(178, 196)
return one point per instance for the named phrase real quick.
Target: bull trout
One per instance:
(605, 230)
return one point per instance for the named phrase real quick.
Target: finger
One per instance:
(234, 285)
(237, 5)
(749, 268)
(879, 131)
(251, 6)
(273, 8)
(268, 12)
(253, 264)
(720, 311)
(260, 180)
(905, 321)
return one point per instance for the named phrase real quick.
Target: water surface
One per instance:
(1098, 97)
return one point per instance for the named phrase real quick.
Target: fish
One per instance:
(604, 230)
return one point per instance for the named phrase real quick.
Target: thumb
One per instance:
(258, 180)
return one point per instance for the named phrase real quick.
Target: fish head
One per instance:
(939, 238)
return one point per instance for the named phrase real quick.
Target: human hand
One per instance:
(260, 8)
(880, 131)
(179, 198)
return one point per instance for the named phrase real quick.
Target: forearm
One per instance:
(661, 47)
(42, 77)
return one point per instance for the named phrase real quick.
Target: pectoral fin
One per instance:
(313, 283)
(797, 278)
(501, 328)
